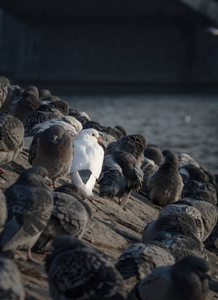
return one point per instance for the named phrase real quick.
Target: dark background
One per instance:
(99, 45)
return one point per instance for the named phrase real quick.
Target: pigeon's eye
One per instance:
(93, 134)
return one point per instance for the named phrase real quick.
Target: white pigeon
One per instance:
(87, 160)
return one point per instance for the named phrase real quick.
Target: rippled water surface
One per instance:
(181, 123)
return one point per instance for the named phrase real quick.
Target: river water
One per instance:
(181, 123)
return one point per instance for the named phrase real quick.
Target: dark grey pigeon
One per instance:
(179, 223)
(185, 280)
(181, 244)
(45, 112)
(52, 149)
(153, 153)
(11, 286)
(166, 185)
(76, 271)
(29, 204)
(11, 138)
(22, 105)
(121, 170)
(179, 208)
(138, 260)
(4, 84)
(3, 211)
(70, 216)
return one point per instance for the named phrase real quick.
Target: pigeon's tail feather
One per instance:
(85, 182)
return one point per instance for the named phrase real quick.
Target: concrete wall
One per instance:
(145, 50)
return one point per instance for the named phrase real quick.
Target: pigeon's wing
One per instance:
(11, 133)
(155, 285)
(11, 286)
(33, 147)
(27, 216)
(111, 180)
(129, 167)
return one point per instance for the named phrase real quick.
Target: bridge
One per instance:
(106, 43)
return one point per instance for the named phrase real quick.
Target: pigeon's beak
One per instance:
(99, 139)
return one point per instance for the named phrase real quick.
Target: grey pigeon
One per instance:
(149, 168)
(181, 208)
(22, 105)
(3, 211)
(181, 244)
(200, 191)
(180, 223)
(121, 170)
(138, 260)
(153, 153)
(70, 124)
(196, 173)
(45, 112)
(52, 149)
(179, 233)
(11, 286)
(29, 204)
(70, 216)
(209, 214)
(11, 138)
(71, 189)
(4, 84)
(186, 279)
(166, 184)
(76, 271)
(185, 159)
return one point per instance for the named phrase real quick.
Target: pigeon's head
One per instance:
(172, 159)
(90, 133)
(35, 176)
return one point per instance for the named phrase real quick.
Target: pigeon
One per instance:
(180, 223)
(11, 138)
(87, 160)
(76, 271)
(70, 124)
(138, 260)
(70, 216)
(186, 160)
(71, 189)
(4, 84)
(52, 149)
(29, 204)
(166, 185)
(45, 112)
(11, 286)
(3, 211)
(22, 105)
(208, 212)
(181, 244)
(153, 153)
(200, 191)
(149, 168)
(121, 171)
(186, 279)
(179, 208)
